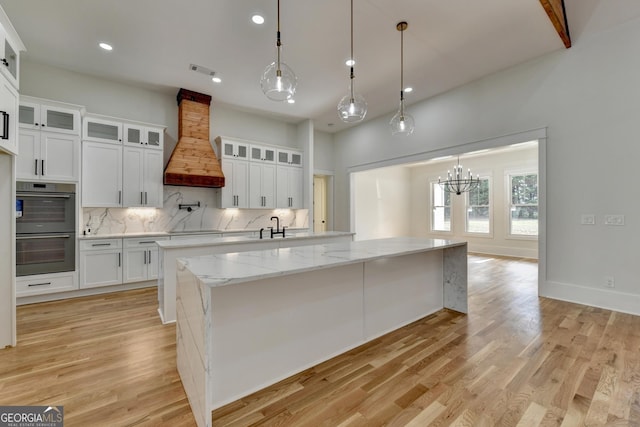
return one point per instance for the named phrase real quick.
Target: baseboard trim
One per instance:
(601, 298)
(32, 299)
(504, 251)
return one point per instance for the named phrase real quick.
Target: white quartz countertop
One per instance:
(210, 240)
(233, 268)
(195, 233)
(121, 235)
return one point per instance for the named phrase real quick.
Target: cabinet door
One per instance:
(235, 149)
(153, 264)
(133, 177)
(135, 265)
(153, 178)
(101, 130)
(133, 134)
(154, 138)
(269, 186)
(101, 175)
(59, 157)
(295, 188)
(57, 119)
(28, 158)
(256, 200)
(10, 59)
(227, 196)
(282, 187)
(240, 183)
(100, 268)
(29, 115)
(9, 117)
(289, 187)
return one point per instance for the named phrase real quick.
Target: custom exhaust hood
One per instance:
(193, 162)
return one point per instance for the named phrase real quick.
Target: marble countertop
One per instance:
(175, 233)
(233, 268)
(121, 235)
(209, 240)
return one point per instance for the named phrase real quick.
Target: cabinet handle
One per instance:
(4, 61)
(119, 259)
(43, 125)
(141, 198)
(39, 284)
(145, 257)
(36, 167)
(42, 167)
(119, 197)
(146, 198)
(147, 242)
(100, 244)
(149, 256)
(5, 124)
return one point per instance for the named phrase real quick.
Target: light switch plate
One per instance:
(614, 219)
(588, 219)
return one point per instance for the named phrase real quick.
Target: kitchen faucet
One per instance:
(277, 227)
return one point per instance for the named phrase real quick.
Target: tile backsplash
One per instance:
(171, 218)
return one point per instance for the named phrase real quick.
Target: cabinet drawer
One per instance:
(44, 284)
(143, 242)
(100, 244)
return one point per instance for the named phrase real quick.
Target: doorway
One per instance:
(320, 211)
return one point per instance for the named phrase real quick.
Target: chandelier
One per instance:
(457, 182)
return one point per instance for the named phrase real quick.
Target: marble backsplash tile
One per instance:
(171, 218)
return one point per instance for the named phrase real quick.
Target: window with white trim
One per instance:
(478, 218)
(440, 208)
(523, 209)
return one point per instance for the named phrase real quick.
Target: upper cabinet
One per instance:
(48, 141)
(10, 48)
(9, 116)
(149, 137)
(50, 116)
(261, 153)
(234, 149)
(102, 129)
(290, 158)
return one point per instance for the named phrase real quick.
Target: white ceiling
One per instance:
(448, 43)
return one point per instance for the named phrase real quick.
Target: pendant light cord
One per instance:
(278, 43)
(352, 76)
(402, 73)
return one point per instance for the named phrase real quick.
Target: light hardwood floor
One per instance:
(514, 360)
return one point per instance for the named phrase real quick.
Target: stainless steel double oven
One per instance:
(45, 228)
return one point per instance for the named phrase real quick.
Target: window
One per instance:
(478, 209)
(523, 218)
(441, 208)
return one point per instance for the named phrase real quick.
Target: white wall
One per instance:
(588, 98)
(494, 166)
(382, 203)
(323, 151)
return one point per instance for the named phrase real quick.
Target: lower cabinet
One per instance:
(105, 262)
(46, 283)
(100, 263)
(140, 259)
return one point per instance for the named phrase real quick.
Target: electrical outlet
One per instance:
(609, 282)
(614, 219)
(588, 219)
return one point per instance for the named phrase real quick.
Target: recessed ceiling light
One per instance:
(291, 101)
(216, 79)
(350, 62)
(105, 46)
(408, 89)
(257, 19)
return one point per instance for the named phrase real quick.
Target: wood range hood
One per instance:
(193, 162)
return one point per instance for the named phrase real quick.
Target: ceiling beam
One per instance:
(557, 14)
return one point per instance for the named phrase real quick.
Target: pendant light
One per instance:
(278, 80)
(457, 182)
(402, 123)
(352, 107)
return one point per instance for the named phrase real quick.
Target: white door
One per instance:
(101, 175)
(133, 177)
(153, 175)
(319, 204)
(28, 158)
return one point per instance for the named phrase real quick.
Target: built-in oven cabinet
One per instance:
(46, 284)
(45, 253)
(100, 263)
(140, 257)
(45, 208)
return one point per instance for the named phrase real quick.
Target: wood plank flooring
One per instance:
(514, 360)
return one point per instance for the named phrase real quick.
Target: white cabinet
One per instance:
(49, 116)
(10, 47)
(233, 149)
(142, 177)
(48, 141)
(235, 193)
(46, 284)
(48, 156)
(260, 153)
(100, 263)
(289, 187)
(101, 175)
(262, 185)
(141, 259)
(9, 116)
(290, 158)
(101, 129)
(150, 137)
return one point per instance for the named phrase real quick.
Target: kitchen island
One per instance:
(247, 320)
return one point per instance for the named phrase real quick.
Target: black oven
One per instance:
(45, 228)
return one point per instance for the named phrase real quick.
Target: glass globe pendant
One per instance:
(352, 107)
(402, 123)
(278, 81)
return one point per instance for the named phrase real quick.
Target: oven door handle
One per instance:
(54, 236)
(57, 196)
